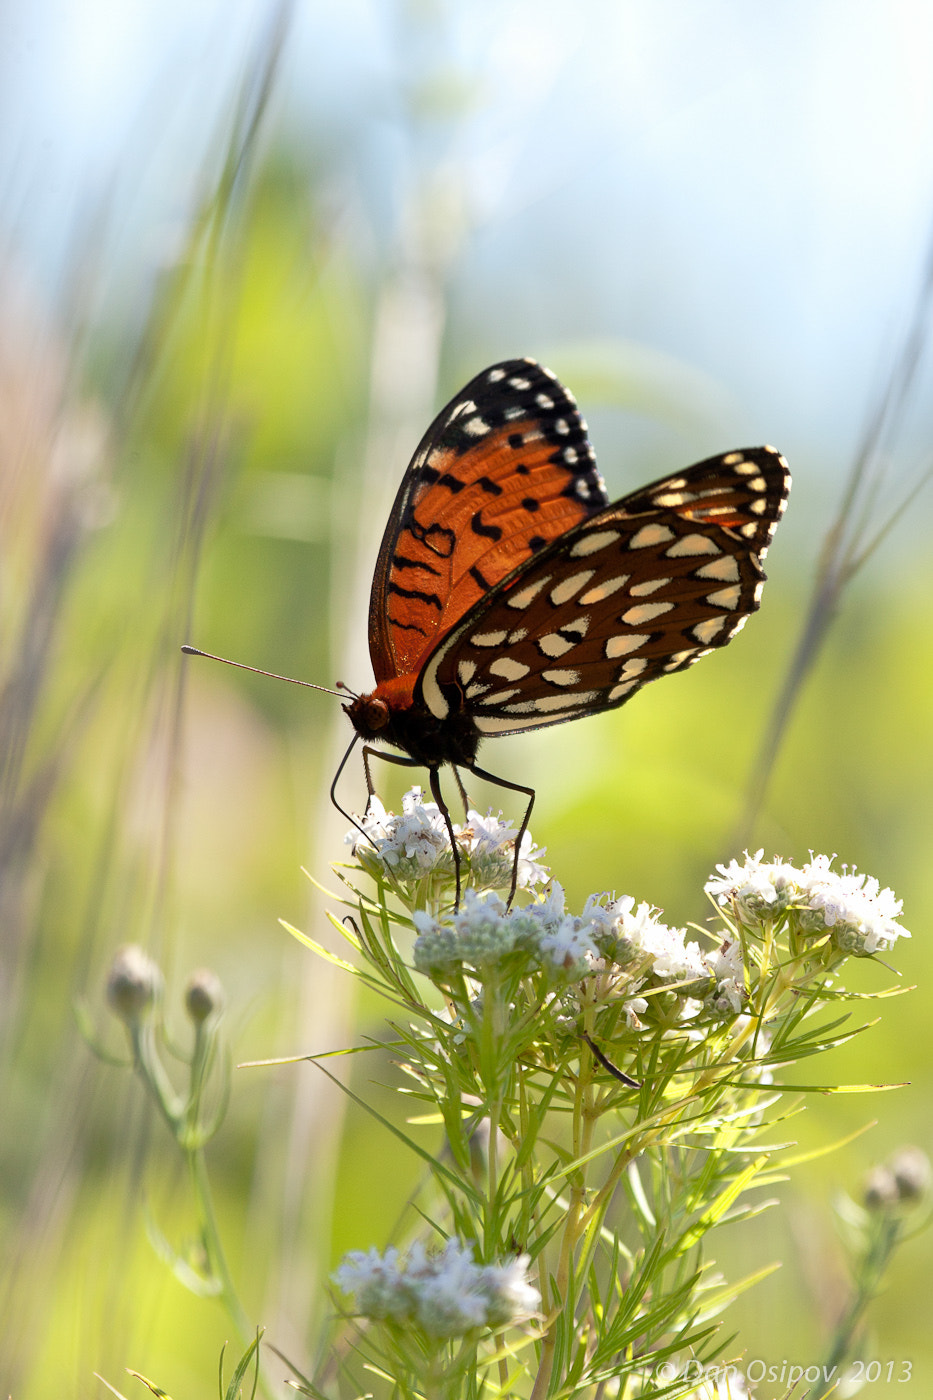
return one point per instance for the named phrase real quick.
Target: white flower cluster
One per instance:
(860, 914)
(634, 938)
(484, 933)
(608, 937)
(446, 1294)
(416, 844)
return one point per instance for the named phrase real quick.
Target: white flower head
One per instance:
(726, 966)
(406, 847)
(481, 933)
(862, 915)
(567, 948)
(445, 1293)
(490, 844)
(563, 942)
(757, 889)
(510, 1298)
(623, 931)
(376, 1281)
(416, 844)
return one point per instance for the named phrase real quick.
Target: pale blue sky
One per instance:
(744, 185)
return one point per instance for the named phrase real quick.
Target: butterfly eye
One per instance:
(376, 713)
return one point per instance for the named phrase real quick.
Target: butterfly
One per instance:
(511, 594)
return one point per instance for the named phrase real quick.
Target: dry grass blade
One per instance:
(855, 533)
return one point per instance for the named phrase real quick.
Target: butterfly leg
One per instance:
(463, 792)
(368, 753)
(512, 787)
(434, 782)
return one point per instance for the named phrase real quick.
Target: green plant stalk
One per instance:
(210, 1235)
(868, 1281)
(584, 1119)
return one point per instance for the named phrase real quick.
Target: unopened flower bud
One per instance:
(204, 995)
(880, 1188)
(911, 1170)
(134, 983)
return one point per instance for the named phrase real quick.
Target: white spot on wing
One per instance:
(725, 597)
(431, 691)
(499, 697)
(525, 596)
(621, 646)
(604, 590)
(497, 724)
(571, 705)
(488, 639)
(544, 401)
(651, 585)
(562, 592)
(466, 671)
(517, 382)
(561, 677)
(688, 545)
(681, 658)
(705, 631)
(618, 691)
(555, 645)
(645, 612)
(476, 427)
(508, 668)
(495, 375)
(722, 570)
(633, 667)
(593, 542)
(650, 535)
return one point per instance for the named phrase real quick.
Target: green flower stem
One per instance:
(867, 1283)
(150, 1067)
(210, 1234)
(585, 1116)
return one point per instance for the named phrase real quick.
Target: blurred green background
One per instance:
(245, 253)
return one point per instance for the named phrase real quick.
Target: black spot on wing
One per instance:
(479, 527)
(438, 538)
(422, 597)
(400, 562)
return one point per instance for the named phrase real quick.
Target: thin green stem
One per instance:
(217, 1260)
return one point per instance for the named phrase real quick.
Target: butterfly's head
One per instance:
(369, 715)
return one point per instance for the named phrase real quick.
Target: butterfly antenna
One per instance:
(274, 675)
